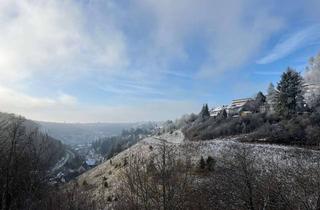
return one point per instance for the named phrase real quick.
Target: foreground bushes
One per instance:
(303, 129)
(239, 180)
(215, 127)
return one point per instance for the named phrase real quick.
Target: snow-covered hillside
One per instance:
(108, 172)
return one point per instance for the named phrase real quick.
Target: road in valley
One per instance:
(69, 155)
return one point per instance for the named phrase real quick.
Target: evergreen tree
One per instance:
(223, 114)
(254, 105)
(204, 112)
(290, 98)
(260, 98)
(202, 163)
(210, 163)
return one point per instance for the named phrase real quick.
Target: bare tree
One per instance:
(158, 182)
(26, 157)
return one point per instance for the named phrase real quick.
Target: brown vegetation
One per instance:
(239, 180)
(26, 157)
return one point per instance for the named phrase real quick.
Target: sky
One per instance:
(141, 60)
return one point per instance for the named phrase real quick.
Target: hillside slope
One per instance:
(93, 181)
(30, 129)
(27, 157)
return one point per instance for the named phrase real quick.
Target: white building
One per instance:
(237, 105)
(233, 109)
(217, 110)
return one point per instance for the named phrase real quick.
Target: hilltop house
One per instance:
(214, 112)
(237, 105)
(235, 109)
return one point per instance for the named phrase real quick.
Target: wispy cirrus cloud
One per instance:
(130, 89)
(290, 43)
(231, 37)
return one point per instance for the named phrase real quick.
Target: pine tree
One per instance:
(204, 112)
(254, 105)
(260, 98)
(202, 163)
(223, 114)
(290, 98)
(211, 163)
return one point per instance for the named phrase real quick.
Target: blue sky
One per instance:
(138, 60)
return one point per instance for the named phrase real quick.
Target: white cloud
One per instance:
(159, 110)
(306, 37)
(233, 30)
(52, 37)
(65, 107)
(17, 102)
(69, 39)
(66, 99)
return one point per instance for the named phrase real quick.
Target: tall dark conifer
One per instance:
(290, 97)
(204, 112)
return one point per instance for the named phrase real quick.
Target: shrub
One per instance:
(210, 163)
(125, 161)
(202, 163)
(109, 198)
(313, 135)
(218, 127)
(106, 185)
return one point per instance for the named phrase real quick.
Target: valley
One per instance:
(159, 105)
